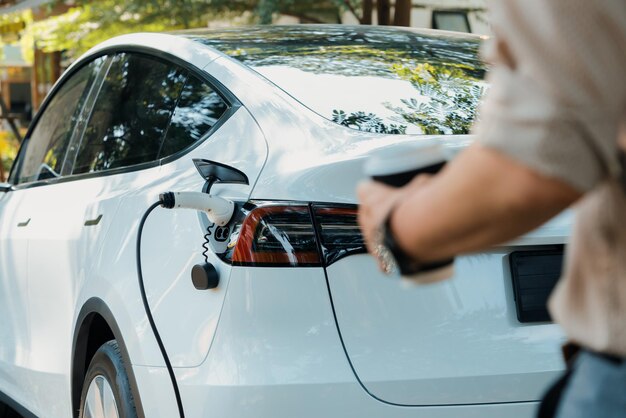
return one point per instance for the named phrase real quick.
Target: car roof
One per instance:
(272, 40)
(319, 33)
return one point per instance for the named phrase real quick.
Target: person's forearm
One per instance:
(481, 199)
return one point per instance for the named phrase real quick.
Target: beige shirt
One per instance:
(557, 102)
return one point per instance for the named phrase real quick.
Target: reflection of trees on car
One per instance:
(129, 119)
(452, 96)
(445, 72)
(198, 109)
(146, 110)
(367, 122)
(449, 102)
(344, 49)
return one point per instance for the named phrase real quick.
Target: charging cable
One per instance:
(219, 211)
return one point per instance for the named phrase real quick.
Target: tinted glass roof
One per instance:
(273, 41)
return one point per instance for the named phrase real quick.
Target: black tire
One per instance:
(108, 363)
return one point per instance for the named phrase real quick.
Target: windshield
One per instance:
(385, 80)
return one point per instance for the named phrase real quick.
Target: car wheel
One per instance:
(106, 391)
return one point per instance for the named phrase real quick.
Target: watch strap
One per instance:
(406, 264)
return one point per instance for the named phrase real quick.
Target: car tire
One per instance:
(106, 390)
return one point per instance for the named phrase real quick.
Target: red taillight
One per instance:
(277, 235)
(294, 235)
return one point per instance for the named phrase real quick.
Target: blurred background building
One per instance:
(40, 38)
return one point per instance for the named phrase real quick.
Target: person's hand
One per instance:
(376, 200)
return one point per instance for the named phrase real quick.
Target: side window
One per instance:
(131, 114)
(45, 151)
(199, 107)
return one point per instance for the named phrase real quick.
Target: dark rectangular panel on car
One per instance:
(535, 273)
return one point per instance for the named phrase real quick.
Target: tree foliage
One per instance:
(367, 122)
(8, 150)
(264, 11)
(452, 97)
(363, 11)
(443, 76)
(90, 22)
(445, 102)
(93, 21)
(323, 11)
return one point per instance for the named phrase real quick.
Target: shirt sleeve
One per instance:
(557, 92)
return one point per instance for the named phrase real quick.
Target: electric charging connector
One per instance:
(219, 210)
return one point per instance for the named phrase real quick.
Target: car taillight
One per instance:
(339, 233)
(293, 235)
(277, 235)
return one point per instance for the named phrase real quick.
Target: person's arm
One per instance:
(481, 199)
(546, 134)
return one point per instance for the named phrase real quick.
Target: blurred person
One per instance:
(551, 133)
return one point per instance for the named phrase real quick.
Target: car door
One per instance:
(29, 214)
(14, 319)
(206, 123)
(173, 240)
(74, 211)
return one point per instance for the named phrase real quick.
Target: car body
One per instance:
(301, 323)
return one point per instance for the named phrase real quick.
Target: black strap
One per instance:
(622, 160)
(554, 394)
(552, 398)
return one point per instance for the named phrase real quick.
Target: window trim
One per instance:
(233, 105)
(434, 14)
(17, 166)
(85, 115)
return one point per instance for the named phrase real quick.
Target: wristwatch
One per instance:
(393, 259)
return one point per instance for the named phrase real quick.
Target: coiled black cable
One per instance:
(207, 242)
(144, 298)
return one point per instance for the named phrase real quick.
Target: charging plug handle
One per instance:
(219, 210)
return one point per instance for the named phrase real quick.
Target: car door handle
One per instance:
(93, 222)
(23, 224)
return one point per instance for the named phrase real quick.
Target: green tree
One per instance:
(264, 11)
(91, 22)
(367, 122)
(452, 96)
(363, 10)
(8, 150)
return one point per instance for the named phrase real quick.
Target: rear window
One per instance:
(390, 81)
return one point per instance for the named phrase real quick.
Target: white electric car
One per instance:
(285, 315)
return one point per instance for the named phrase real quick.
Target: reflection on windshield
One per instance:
(383, 80)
